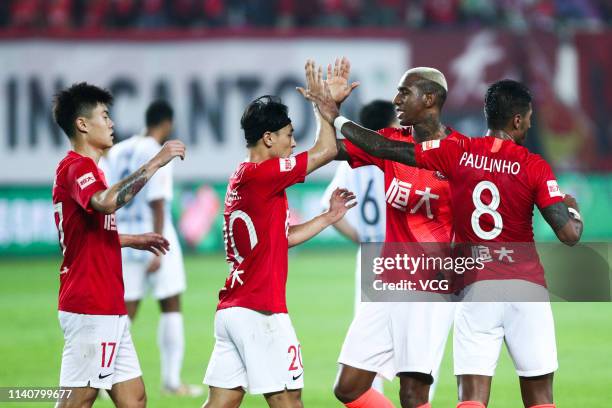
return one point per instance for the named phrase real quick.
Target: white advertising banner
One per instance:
(209, 82)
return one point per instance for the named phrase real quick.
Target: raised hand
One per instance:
(170, 150)
(338, 80)
(340, 202)
(317, 91)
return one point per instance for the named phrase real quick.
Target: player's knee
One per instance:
(411, 398)
(414, 389)
(139, 400)
(346, 391)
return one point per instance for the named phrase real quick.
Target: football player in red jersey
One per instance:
(98, 349)
(495, 183)
(256, 348)
(403, 339)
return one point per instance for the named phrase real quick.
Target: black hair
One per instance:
(78, 100)
(158, 112)
(377, 114)
(427, 86)
(265, 114)
(503, 100)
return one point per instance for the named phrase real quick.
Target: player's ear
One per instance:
(81, 124)
(429, 99)
(516, 121)
(267, 139)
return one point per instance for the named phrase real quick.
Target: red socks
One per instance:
(428, 405)
(370, 399)
(544, 406)
(471, 404)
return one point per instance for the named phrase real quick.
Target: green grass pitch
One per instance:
(320, 291)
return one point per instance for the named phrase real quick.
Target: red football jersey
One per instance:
(418, 208)
(255, 230)
(418, 200)
(91, 281)
(494, 185)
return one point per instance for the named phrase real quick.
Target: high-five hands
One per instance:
(317, 91)
(338, 80)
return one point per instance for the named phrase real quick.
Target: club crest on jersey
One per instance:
(86, 180)
(553, 189)
(430, 145)
(287, 164)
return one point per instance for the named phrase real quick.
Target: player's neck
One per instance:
(500, 134)
(429, 129)
(255, 155)
(156, 134)
(87, 150)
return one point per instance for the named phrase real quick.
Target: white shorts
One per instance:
(98, 351)
(167, 281)
(255, 351)
(527, 328)
(391, 338)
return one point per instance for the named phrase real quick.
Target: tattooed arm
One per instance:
(566, 225)
(376, 145)
(110, 200)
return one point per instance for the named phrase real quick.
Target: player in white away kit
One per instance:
(366, 222)
(256, 348)
(98, 349)
(495, 185)
(163, 276)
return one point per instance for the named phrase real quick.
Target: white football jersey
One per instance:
(136, 217)
(368, 184)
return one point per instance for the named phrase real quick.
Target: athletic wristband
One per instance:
(339, 121)
(575, 214)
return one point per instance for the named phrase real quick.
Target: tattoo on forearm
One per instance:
(379, 146)
(556, 215)
(342, 153)
(128, 188)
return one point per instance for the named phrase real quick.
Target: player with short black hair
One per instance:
(98, 349)
(256, 348)
(495, 183)
(504, 100)
(158, 113)
(378, 114)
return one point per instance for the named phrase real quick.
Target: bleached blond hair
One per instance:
(430, 74)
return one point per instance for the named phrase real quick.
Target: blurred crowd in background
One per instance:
(551, 15)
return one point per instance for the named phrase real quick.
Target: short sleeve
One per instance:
(545, 184)
(84, 180)
(441, 155)
(275, 175)
(359, 158)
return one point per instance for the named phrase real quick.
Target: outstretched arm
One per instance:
(324, 149)
(565, 220)
(110, 200)
(339, 204)
(377, 145)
